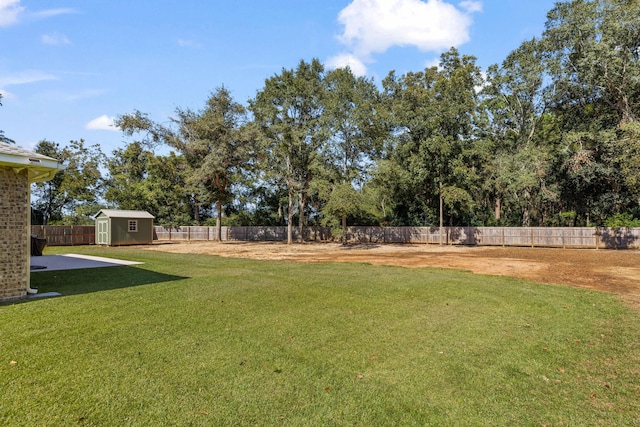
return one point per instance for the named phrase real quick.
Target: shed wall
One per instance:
(120, 234)
(14, 234)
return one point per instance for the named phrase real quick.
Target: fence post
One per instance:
(532, 245)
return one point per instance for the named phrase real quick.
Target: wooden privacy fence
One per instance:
(247, 234)
(65, 235)
(560, 237)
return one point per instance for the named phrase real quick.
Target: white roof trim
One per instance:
(41, 168)
(116, 213)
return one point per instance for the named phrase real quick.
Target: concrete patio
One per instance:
(74, 261)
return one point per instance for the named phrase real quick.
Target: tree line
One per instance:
(549, 137)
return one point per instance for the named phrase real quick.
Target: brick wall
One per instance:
(14, 232)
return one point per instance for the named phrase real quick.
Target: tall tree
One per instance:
(355, 135)
(140, 180)
(215, 142)
(452, 145)
(151, 135)
(410, 99)
(74, 194)
(517, 101)
(434, 114)
(288, 111)
(629, 156)
(47, 200)
(592, 50)
(224, 146)
(592, 53)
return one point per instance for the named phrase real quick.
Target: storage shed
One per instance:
(18, 169)
(120, 227)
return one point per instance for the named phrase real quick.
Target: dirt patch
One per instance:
(606, 270)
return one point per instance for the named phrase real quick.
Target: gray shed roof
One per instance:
(116, 213)
(40, 167)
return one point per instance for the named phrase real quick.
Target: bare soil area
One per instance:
(615, 271)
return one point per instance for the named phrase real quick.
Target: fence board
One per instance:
(569, 237)
(65, 235)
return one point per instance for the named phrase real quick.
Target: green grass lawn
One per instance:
(203, 340)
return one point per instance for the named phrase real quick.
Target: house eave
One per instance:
(39, 168)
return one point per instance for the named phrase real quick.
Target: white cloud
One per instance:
(471, 6)
(347, 60)
(25, 77)
(9, 11)
(53, 12)
(484, 82)
(103, 122)
(188, 43)
(6, 94)
(374, 26)
(434, 62)
(55, 39)
(77, 96)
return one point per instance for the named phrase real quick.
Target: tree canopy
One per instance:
(548, 137)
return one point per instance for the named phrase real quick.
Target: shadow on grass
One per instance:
(84, 281)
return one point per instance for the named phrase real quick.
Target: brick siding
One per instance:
(14, 233)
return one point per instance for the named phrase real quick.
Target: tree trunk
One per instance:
(45, 216)
(441, 211)
(301, 206)
(290, 220)
(344, 228)
(625, 109)
(526, 219)
(196, 210)
(498, 208)
(219, 221)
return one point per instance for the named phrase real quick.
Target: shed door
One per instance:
(103, 231)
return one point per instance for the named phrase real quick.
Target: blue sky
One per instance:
(68, 67)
